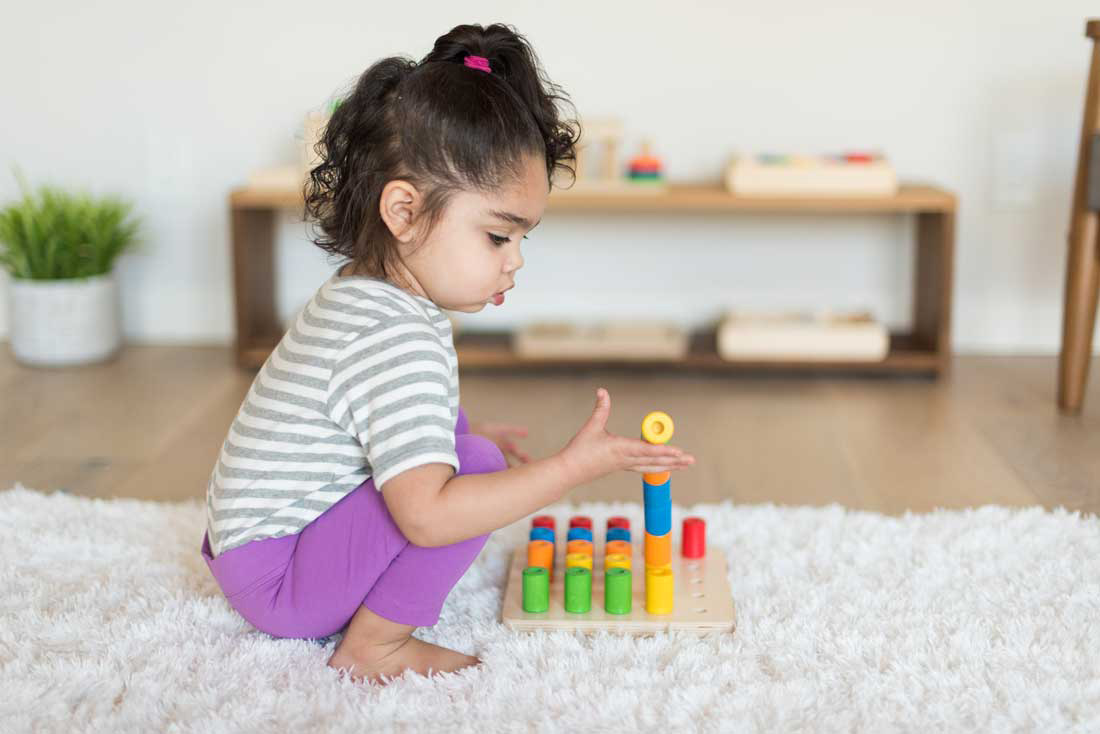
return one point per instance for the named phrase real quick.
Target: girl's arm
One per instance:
(432, 507)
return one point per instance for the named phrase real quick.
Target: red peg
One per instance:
(580, 521)
(618, 522)
(544, 521)
(694, 537)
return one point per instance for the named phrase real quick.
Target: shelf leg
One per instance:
(935, 263)
(253, 236)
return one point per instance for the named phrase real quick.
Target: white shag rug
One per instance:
(982, 620)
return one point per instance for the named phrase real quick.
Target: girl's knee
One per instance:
(478, 455)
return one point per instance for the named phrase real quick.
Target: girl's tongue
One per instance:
(498, 299)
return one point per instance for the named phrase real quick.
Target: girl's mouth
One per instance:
(498, 298)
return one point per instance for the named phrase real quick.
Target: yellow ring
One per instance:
(657, 427)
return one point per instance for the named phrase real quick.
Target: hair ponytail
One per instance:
(440, 125)
(512, 59)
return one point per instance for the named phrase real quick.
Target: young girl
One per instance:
(351, 493)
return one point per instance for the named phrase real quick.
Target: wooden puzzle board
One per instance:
(702, 599)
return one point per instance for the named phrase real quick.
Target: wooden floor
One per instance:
(150, 423)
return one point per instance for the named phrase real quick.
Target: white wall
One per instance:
(173, 105)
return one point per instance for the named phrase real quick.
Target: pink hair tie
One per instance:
(478, 62)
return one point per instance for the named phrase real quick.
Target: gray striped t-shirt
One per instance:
(364, 384)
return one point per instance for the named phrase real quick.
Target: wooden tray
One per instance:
(603, 341)
(703, 602)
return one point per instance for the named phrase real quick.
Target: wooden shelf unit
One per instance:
(925, 350)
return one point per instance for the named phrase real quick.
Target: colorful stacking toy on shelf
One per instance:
(552, 585)
(645, 167)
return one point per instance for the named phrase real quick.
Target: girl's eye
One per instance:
(498, 240)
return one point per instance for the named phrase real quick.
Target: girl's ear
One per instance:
(399, 205)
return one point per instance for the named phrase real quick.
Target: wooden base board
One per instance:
(703, 603)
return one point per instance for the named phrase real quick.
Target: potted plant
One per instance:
(60, 249)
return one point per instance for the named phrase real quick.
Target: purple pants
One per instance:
(310, 584)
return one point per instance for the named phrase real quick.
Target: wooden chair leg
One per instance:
(1079, 319)
(1083, 261)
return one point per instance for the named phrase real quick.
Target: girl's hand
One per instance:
(594, 452)
(504, 435)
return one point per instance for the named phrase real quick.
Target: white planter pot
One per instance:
(64, 322)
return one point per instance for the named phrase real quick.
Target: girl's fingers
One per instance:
(655, 469)
(641, 448)
(512, 449)
(663, 463)
(650, 454)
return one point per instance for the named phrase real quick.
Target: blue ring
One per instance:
(581, 533)
(618, 534)
(541, 533)
(658, 508)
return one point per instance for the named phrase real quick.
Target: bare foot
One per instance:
(374, 647)
(389, 661)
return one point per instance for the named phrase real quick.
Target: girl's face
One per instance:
(471, 257)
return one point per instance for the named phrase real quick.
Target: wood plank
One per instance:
(702, 197)
(915, 448)
(150, 423)
(756, 438)
(493, 350)
(91, 429)
(679, 197)
(1011, 403)
(248, 197)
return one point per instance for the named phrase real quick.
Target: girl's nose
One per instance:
(514, 263)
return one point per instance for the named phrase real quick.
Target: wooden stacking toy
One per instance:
(645, 167)
(567, 586)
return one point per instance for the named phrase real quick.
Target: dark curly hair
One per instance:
(440, 125)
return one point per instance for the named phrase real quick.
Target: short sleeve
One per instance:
(391, 391)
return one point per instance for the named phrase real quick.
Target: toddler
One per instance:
(351, 492)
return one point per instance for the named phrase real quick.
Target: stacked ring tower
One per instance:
(657, 428)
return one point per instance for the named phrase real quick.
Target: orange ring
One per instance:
(618, 546)
(579, 545)
(541, 553)
(658, 549)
